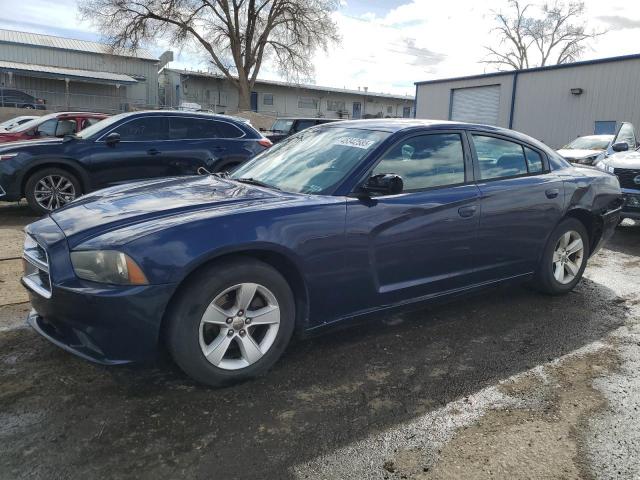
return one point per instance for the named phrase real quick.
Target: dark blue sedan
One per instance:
(333, 224)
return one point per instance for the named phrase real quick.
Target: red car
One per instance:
(52, 125)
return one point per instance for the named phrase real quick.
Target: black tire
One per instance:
(32, 182)
(545, 280)
(187, 309)
(28, 107)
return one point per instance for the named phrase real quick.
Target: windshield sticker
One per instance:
(355, 142)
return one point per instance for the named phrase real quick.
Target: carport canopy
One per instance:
(70, 74)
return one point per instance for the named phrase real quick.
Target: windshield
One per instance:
(590, 143)
(101, 125)
(281, 126)
(313, 161)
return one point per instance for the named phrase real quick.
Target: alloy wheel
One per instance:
(54, 191)
(568, 257)
(239, 326)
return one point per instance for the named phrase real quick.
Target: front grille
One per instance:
(627, 176)
(36, 267)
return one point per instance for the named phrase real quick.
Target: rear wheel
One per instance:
(231, 322)
(51, 188)
(564, 258)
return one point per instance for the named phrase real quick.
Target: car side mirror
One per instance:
(620, 147)
(112, 138)
(384, 184)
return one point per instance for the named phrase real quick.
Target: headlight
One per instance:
(107, 266)
(601, 166)
(588, 160)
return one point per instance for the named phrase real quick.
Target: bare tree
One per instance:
(238, 35)
(557, 35)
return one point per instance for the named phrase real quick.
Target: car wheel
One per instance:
(28, 107)
(564, 258)
(51, 188)
(231, 322)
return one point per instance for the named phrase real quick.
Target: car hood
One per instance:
(157, 204)
(624, 160)
(567, 153)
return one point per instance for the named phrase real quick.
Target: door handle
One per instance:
(552, 192)
(466, 212)
(153, 151)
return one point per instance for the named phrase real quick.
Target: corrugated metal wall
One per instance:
(145, 93)
(544, 106)
(224, 97)
(546, 109)
(434, 99)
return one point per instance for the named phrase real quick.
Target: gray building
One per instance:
(554, 104)
(77, 74)
(214, 92)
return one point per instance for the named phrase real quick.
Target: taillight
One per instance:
(265, 142)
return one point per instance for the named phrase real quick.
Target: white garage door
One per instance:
(476, 104)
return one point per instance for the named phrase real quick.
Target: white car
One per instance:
(14, 122)
(587, 150)
(592, 149)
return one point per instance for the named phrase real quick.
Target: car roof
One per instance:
(397, 124)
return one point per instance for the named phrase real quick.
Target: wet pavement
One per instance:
(505, 384)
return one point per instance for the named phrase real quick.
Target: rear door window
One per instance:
(498, 158)
(185, 128)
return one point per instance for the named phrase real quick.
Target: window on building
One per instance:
(605, 127)
(144, 129)
(389, 110)
(499, 158)
(335, 105)
(406, 112)
(426, 161)
(308, 102)
(267, 99)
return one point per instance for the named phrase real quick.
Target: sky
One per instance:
(386, 45)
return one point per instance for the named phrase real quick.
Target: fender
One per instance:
(72, 165)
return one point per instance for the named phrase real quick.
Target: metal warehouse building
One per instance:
(214, 92)
(554, 104)
(77, 74)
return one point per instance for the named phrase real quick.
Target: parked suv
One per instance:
(52, 125)
(10, 97)
(623, 160)
(131, 146)
(285, 127)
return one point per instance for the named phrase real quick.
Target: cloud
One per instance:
(617, 22)
(423, 57)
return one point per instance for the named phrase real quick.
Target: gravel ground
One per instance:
(506, 384)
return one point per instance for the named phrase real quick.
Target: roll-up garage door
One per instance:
(476, 104)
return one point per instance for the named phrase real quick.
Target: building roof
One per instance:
(296, 85)
(61, 43)
(48, 71)
(635, 56)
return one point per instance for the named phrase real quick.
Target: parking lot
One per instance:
(503, 383)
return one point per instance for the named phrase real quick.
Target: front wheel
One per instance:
(564, 258)
(51, 188)
(231, 321)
